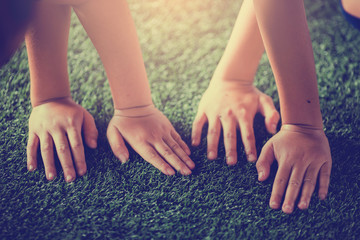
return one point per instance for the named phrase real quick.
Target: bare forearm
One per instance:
(46, 42)
(110, 26)
(287, 42)
(244, 49)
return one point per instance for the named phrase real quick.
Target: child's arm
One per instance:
(301, 147)
(231, 100)
(55, 118)
(146, 129)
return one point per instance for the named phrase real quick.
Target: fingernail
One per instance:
(170, 171)
(123, 158)
(230, 160)
(69, 178)
(211, 155)
(288, 208)
(322, 196)
(261, 175)
(193, 142)
(273, 204)
(251, 157)
(93, 143)
(51, 176)
(303, 205)
(273, 128)
(82, 172)
(186, 171)
(31, 168)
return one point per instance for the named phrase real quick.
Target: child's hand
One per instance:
(151, 135)
(228, 105)
(60, 122)
(302, 153)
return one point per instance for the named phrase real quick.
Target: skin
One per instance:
(231, 99)
(300, 147)
(57, 120)
(352, 7)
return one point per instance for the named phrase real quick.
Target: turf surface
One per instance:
(182, 42)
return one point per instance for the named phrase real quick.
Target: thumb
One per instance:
(265, 160)
(117, 143)
(89, 130)
(268, 110)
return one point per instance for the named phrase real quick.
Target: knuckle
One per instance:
(46, 147)
(228, 112)
(67, 167)
(151, 154)
(62, 148)
(230, 135)
(76, 145)
(295, 183)
(280, 181)
(177, 138)
(242, 112)
(325, 175)
(175, 146)
(168, 152)
(213, 131)
(309, 181)
(249, 137)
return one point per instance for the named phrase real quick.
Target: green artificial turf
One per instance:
(182, 41)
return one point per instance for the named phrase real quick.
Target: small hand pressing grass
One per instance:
(151, 135)
(59, 123)
(302, 154)
(230, 105)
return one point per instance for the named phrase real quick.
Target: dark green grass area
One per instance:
(182, 41)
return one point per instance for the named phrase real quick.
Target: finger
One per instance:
(117, 144)
(280, 183)
(32, 147)
(77, 150)
(179, 151)
(248, 138)
(268, 110)
(213, 138)
(148, 153)
(63, 151)
(182, 144)
(47, 154)
(197, 127)
(229, 129)
(324, 180)
(89, 130)
(167, 153)
(266, 158)
(293, 189)
(308, 188)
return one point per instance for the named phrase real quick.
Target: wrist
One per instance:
(135, 111)
(231, 84)
(38, 102)
(302, 128)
